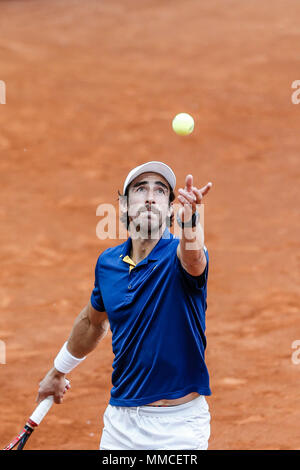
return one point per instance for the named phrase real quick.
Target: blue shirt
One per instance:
(156, 313)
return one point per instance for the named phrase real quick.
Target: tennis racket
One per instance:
(35, 419)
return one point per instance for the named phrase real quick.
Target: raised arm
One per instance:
(190, 249)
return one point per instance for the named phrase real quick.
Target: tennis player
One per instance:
(151, 291)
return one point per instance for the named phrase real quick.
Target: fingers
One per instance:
(56, 389)
(189, 197)
(203, 191)
(68, 385)
(58, 397)
(193, 194)
(189, 182)
(206, 188)
(188, 202)
(59, 393)
(198, 195)
(42, 395)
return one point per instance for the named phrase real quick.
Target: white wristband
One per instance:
(65, 362)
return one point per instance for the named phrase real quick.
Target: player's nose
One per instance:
(150, 197)
(150, 204)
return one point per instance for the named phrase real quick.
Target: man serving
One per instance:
(151, 291)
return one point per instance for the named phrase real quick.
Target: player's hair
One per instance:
(125, 218)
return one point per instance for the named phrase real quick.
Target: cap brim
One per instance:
(151, 167)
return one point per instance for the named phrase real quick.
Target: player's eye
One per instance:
(160, 190)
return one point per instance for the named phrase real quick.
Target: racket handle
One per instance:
(42, 409)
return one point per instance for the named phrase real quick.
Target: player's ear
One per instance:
(123, 206)
(170, 210)
(123, 210)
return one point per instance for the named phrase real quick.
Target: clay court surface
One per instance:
(91, 90)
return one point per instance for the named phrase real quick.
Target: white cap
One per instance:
(153, 167)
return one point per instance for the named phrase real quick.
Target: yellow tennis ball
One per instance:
(183, 124)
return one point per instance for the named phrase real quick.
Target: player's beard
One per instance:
(146, 224)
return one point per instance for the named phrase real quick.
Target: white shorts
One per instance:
(179, 427)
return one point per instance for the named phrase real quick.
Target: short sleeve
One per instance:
(96, 297)
(199, 282)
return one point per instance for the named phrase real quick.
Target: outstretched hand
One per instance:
(190, 197)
